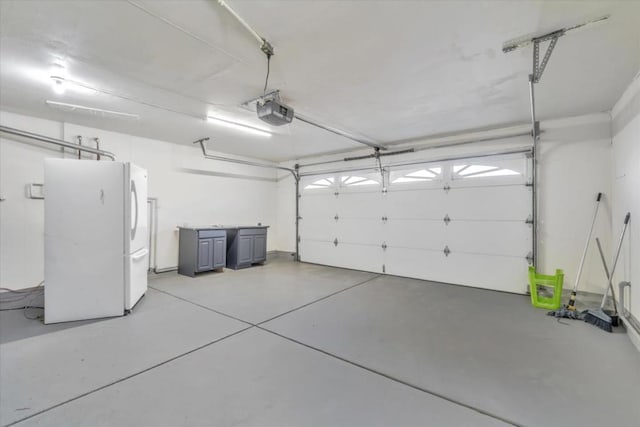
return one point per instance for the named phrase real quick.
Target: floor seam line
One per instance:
(319, 299)
(204, 306)
(128, 377)
(272, 318)
(394, 379)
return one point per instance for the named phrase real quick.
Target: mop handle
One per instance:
(606, 271)
(615, 260)
(586, 246)
(604, 262)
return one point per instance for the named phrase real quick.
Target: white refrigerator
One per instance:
(96, 253)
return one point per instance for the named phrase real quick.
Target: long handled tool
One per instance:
(572, 299)
(606, 272)
(569, 311)
(597, 316)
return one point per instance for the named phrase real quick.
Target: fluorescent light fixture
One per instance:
(238, 126)
(91, 110)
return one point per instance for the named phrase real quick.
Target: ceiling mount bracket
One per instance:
(538, 67)
(552, 37)
(266, 48)
(521, 42)
(274, 95)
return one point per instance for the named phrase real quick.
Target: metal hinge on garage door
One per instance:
(529, 258)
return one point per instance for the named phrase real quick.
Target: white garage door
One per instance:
(464, 222)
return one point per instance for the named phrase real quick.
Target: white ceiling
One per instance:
(386, 70)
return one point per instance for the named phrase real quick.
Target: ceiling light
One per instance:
(91, 110)
(58, 85)
(238, 126)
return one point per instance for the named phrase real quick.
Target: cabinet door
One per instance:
(245, 249)
(219, 252)
(259, 248)
(205, 254)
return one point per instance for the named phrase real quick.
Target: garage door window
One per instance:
(354, 181)
(478, 171)
(496, 169)
(320, 183)
(419, 175)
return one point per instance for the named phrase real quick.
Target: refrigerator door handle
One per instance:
(134, 193)
(140, 254)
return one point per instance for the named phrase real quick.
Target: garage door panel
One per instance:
(364, 231)
(486, 237)
(420, 204)
(497, 203)
(318, 229)
(416, 263)
(506, 274)
(318, 252)
(318, 205)
(367, 205)
(415, 234)
(358, 257)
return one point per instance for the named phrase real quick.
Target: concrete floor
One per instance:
(290, 344)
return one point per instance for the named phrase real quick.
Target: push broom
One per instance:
(598, 317)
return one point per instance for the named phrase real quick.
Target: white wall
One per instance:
(196, 196)
(626, 189)
(574, 164)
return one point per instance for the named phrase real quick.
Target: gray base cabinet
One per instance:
(201, 250)
(246, 246)
(206, 249)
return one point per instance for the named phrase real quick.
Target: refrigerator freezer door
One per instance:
(136, 277)
(84, 269)
(136, 206)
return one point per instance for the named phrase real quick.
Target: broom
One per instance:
(598, 317)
